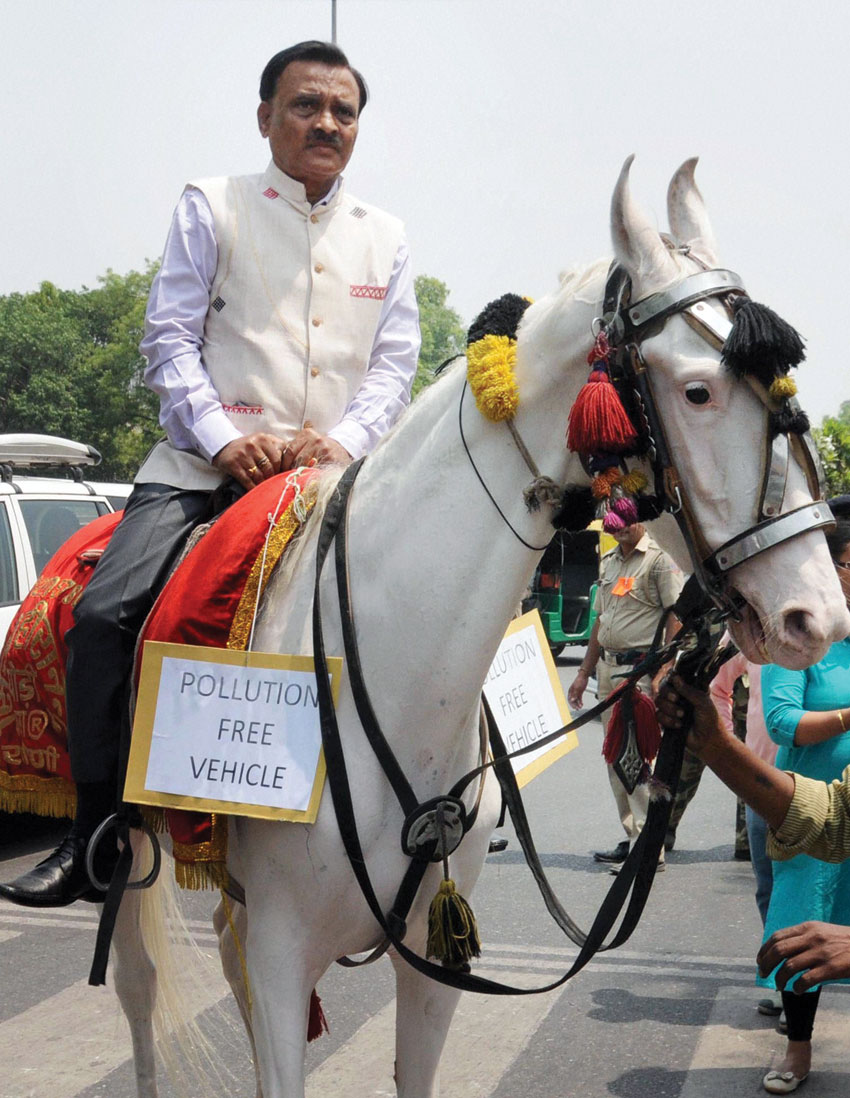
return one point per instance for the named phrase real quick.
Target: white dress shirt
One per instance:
(190, 410)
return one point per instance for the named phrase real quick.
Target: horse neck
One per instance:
(430, 553)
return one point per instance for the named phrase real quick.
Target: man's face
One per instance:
(311, 123)
(629, 536)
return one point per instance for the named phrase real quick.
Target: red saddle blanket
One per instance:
(35, 772)
(209, 600)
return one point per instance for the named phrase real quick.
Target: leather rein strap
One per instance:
(638, 870)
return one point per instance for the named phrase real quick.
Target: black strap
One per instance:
(638, 870)
(111, 904)
(365, 711)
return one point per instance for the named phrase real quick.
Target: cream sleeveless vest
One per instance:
(294, 307)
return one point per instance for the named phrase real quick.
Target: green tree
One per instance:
(70, 365)
(443, 333)
(832, 439)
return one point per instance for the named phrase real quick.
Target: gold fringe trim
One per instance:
(40, 796)
(197, 876)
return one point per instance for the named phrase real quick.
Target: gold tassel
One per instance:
(452, 929)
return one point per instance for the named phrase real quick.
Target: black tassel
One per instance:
(789, 419)
(761, 343)
(577, 511)
(649, 507)
(501, 317)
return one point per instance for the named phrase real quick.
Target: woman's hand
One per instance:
(820, 951)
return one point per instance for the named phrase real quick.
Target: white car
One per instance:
(38, 514)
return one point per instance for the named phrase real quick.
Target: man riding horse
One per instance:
(281, 331)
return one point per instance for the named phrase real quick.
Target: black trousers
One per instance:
(800, 1011)
(109, 616)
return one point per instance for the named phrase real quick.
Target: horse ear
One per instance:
(689, 222)
(637, 243)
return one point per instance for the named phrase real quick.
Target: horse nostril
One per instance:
(798, 625)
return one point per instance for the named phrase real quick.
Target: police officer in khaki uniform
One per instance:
(638, 581)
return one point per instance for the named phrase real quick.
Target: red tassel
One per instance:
(647, 729)
(317, 1023)
(598, 420)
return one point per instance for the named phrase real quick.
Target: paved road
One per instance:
(671, 1015)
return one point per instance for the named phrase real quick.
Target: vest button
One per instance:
(319, 268)
(317, 320)
(314, 371)
(314, 218)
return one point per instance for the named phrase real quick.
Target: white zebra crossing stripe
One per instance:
(737, 1046)
(63, 1059)
(7, 935)
(473, 1061)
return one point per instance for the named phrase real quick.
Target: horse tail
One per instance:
(188, 984)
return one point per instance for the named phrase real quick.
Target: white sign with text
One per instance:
(526, 697)
(228, 730)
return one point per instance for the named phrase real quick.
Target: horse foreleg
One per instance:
(230, 920)
(282, 972)
(135, 984)
(424, 1012)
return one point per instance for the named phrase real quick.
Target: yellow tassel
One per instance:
(452, 929)
(490, 369)
(634, 482)
(783, 387)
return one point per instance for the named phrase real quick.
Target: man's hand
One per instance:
(575, 693)
(310, 448)
(251, 459)
(706, 726)
(820, 951)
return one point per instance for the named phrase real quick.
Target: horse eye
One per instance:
(697, 394)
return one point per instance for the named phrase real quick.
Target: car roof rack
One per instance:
(29, 451)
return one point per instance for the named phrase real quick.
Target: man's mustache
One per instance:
(319, 138)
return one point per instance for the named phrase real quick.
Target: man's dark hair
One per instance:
(325, 52)
(838, 539)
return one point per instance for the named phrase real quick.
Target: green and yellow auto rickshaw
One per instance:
(564, 586)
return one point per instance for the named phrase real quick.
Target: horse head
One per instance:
(738, 464)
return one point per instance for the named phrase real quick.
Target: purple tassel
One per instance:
(626, 509)
(612, 523)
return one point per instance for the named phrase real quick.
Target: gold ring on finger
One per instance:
(263, 461)
(253, 470)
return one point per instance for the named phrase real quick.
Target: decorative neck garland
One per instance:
(760, 345)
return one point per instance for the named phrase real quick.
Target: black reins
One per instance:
(637, 873)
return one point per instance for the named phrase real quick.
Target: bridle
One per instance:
(704, 301)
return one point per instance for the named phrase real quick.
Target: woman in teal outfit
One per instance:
(803, 714)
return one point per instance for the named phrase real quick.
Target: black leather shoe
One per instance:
(617, 855)
(498, 843)
(57, 881)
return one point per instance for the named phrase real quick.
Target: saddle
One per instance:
(209, 599)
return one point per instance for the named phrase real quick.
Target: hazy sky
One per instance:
(496, 129)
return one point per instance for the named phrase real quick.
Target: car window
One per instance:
(8, 572)
(50, 522)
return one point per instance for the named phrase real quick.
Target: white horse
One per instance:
(436, 574)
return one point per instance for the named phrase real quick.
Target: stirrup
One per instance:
(94, 841)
